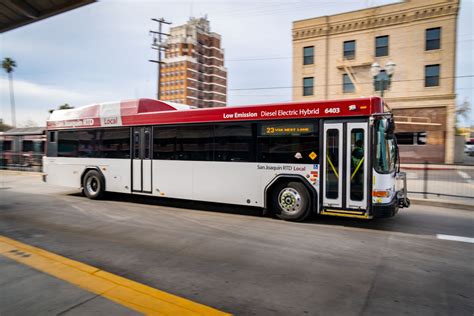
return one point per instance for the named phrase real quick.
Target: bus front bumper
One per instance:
(386, 209)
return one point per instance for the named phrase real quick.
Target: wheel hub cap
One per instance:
(290, 200)
(92, 185)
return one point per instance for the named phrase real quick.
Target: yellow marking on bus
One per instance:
(365, 216)
(131, 294)
(332, 166)
(344, 211)
(357, 168)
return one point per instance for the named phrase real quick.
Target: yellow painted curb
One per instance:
(134, 295)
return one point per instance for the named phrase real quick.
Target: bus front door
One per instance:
(345, 152)
(141, 160)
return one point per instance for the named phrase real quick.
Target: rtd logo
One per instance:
(110, 121)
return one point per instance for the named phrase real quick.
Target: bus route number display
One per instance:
(286, 129)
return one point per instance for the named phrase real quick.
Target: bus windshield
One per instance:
(385, 151)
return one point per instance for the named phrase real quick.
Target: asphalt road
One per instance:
(238, 261)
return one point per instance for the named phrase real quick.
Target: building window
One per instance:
(308, 55)
(381, 46)
(431, 75)
(349, 49)
(347, 85)
(308, 86)
(433, 38)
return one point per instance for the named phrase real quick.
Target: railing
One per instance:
(440, 180)
(21, 161)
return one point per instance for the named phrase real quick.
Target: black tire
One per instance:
(93, 185)
(291, 201)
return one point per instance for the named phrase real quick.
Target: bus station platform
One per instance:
(34, 281)
(43, 294)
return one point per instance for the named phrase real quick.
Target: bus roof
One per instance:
(151, 112)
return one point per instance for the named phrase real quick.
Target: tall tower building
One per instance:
(193, 72)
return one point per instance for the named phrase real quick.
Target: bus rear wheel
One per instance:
(93, 185)
(291, 201)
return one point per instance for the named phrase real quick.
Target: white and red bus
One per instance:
(293, 159)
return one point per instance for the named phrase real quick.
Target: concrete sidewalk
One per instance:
(43, 294)
(460, 204)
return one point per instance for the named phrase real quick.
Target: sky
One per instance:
(100, 52)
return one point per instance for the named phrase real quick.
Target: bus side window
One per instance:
(234, 142)
(195, 143)
(164, 142)
(288, 142)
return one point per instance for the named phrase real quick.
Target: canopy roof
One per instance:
(16, 13)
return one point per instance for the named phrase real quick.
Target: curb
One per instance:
(443, 203)
(19, 172)
(428, 168)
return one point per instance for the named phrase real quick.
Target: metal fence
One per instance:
(440, 180)
(21, 161)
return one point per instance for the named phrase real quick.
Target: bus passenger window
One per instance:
(357, 164)
(234, 142)
(288, 142)
(332, 164)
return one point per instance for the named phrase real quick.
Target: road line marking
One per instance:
(455, 238)
(136, 296)
(464, 175)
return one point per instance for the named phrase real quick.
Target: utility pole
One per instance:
(159, 46)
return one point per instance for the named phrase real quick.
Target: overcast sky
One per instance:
(100, 52)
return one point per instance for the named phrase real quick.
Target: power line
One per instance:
(257, 58)
(338, 84)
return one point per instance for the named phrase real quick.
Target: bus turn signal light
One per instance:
(380, 193)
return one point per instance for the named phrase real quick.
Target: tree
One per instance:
(64, 106)
(4, 127)
(463, 112)
(9, 65)
(29, 123)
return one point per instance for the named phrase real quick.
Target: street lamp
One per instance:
(382, 77)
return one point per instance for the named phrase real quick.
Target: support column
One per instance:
(450, 132)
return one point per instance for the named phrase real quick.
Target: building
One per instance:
(332, 58)
(194, 71)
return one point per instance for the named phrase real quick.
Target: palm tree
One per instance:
(9, 65)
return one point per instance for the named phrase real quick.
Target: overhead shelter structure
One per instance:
(16, 13)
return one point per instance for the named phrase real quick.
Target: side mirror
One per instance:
(390, 128)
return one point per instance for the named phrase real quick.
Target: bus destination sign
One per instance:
(286, 129)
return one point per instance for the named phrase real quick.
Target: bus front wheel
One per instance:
(291, 201)
(93, 185)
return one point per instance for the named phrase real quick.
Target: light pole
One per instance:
(382, 77)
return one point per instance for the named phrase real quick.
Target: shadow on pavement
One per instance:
(406, 221)
(180, 203)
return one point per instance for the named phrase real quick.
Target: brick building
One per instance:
(194, 71)
(332, 57)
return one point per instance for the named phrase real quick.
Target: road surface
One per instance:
(234, 259)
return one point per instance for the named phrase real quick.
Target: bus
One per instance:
(294, 159)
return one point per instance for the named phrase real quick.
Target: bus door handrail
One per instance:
(332, 166)
(357, 168)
